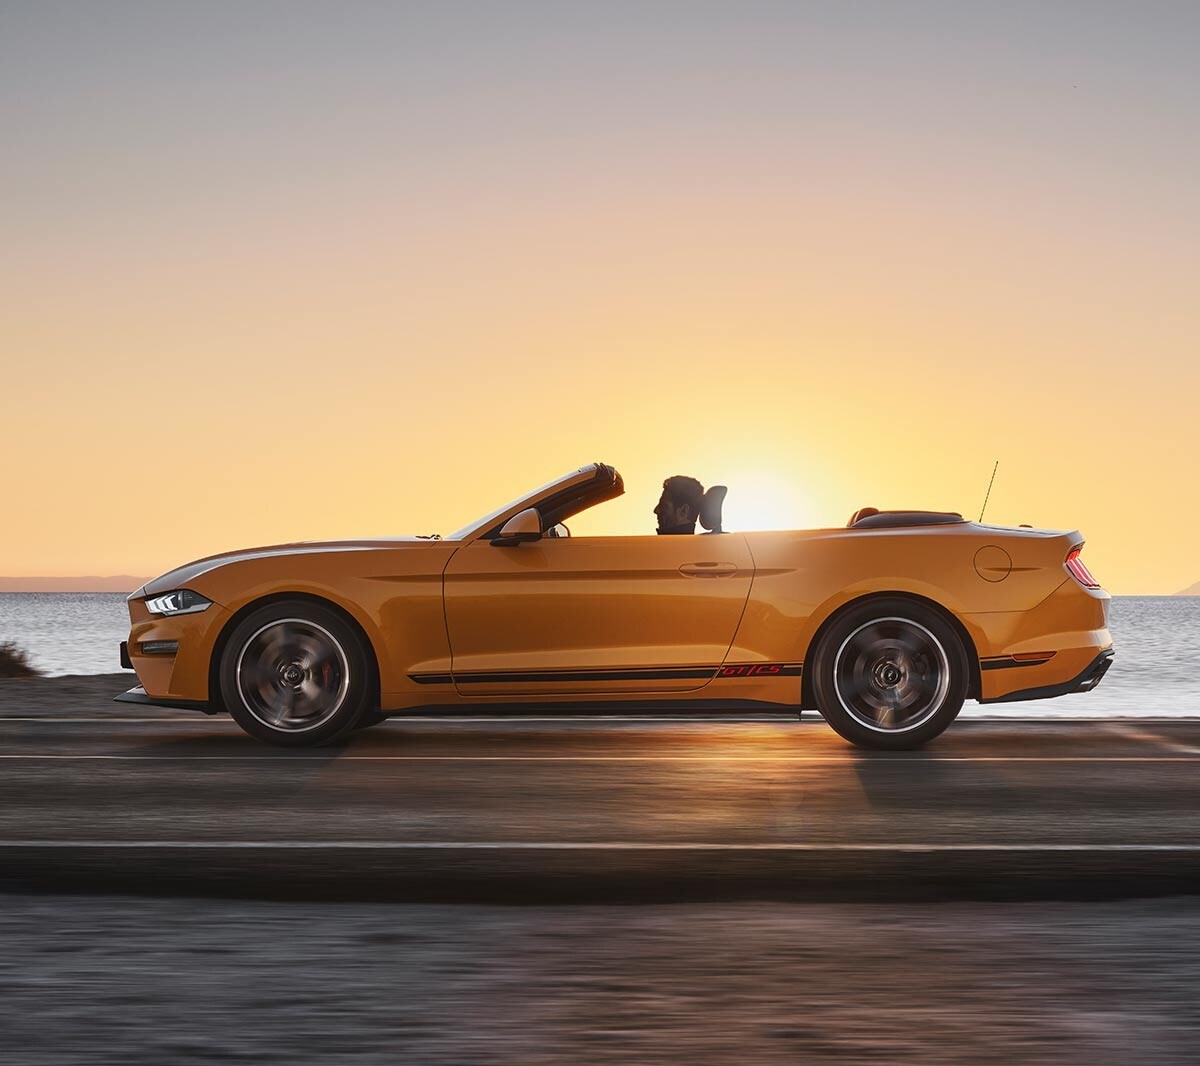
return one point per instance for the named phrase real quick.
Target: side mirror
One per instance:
(522, 527)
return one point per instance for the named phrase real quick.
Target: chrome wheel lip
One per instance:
(939, 696)
(340, 695)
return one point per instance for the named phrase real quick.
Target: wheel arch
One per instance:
(807, 699)
(231, 623)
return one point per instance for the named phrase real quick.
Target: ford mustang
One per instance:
(885, 626)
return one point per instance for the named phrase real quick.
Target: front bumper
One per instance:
(171, 654)
(137, 694)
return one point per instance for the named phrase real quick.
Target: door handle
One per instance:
(708, 569)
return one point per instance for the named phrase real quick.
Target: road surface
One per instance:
(406, 884)
(100, 796)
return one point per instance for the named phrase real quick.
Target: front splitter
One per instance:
(140, 696)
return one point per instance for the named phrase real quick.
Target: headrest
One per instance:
(710, 508)
(862, 512)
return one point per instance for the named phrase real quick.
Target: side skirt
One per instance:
(721, 671)
(648, 708)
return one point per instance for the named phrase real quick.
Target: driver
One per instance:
(679, 506)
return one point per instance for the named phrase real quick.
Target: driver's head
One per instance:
(679, 506)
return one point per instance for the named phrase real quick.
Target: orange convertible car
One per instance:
(885, 626)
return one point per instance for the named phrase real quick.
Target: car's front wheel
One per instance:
(890, 673)
(296, 673)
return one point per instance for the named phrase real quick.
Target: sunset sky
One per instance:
(279, 271)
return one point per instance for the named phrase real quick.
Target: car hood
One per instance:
(181, 575)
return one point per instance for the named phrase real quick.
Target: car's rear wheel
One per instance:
(297, 674)
(890, 673)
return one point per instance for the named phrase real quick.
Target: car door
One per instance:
(594, 614)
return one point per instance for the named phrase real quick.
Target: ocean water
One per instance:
(1156, 672)
(66, 632)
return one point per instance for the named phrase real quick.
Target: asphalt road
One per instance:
(114, 981)
(96, 796)
(797, 901)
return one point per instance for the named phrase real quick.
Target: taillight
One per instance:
(1079, 571)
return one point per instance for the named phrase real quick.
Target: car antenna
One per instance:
(988, 494)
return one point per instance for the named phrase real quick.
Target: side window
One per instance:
(628, 516)
(560, 508)
(559, 512)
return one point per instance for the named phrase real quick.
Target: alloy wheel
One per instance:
(292, 675)
(891, 675)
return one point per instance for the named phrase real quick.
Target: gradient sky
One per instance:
(276, 271)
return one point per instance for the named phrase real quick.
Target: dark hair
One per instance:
(681, 489)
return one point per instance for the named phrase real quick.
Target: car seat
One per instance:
(710, 508)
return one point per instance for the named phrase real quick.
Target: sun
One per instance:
(761, 499)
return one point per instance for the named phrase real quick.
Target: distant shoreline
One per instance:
(125, 583)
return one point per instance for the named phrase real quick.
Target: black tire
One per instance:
(890, 674)
(370, 718)
(296, 674)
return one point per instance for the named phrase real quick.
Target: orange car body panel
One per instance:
(721, 616)
(594, 604)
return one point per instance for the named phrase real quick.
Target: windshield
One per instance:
(481, 524)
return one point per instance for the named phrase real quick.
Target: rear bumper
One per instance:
(1086, 680)
(1048, 650)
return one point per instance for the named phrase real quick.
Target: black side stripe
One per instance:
(484, 677)
(634, 673)
(432, 679)
(1007, 662)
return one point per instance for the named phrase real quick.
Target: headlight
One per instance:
(181, 601)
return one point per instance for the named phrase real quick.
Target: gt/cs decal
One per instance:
(760, 669)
